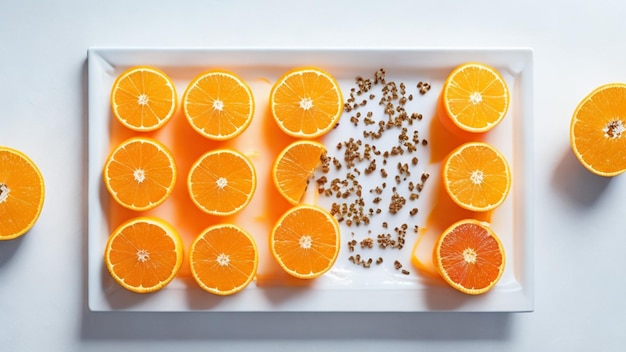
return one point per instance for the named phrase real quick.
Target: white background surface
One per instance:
(579, 233)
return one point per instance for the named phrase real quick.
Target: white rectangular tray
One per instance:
(346, 287)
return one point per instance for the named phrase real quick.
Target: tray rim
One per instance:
(98, 56)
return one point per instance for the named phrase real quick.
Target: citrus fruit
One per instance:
(306, 102)
(22, 193)
(224, 259)
(598, 130)
(218, 104)
(222, 182)
(140, 173)
(476, 176)
(143, 98)
(475, 97)
(305, 241)
(294, 166)
(144, 254)
(469, 256)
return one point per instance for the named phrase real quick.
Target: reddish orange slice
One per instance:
(470, 257)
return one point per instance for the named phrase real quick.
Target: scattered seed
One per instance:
(367, 243)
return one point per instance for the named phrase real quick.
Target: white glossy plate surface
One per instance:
(346, 287)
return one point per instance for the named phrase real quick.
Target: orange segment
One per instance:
(218, 104)
(470, 257)
(476, 176)
(224, 259)
(222, 182)
(475, 97)
(144, 254)
(294, 166)
(598, 130)
(143, 98)
(306, 102)
(22, 193)
(140, 173)
(305, 241)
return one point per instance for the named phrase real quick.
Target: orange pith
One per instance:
(140, 173)
(598, 130)
(224, 259)
(294, 166)
(306, 102)
(475, 97)
(218, 104)
(470, 257)
(222, 182)
(22, 193)
(476, 176)
(305, 241)
(143, 98)
(144, 254)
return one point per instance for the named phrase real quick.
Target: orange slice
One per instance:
(475, 97)
(144, 254)
(22, 193)
(294, 167)
(476, 176)
(218, 104)
(222, 182)
(470, 257)
(306, 102)
(598, 130)
(305, 241)
(140, 173)
(143, 98)
(224, 259)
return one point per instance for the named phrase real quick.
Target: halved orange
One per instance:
(475, 97)
(476, 176)
(143, 98)
(224, 259)
(470, 257)
(294, 167)
(218, 104)
(222, 182)
(144, 254)
(598, 130)
(305, 241)
(306, 102)
(22, 193)
(140, 173)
